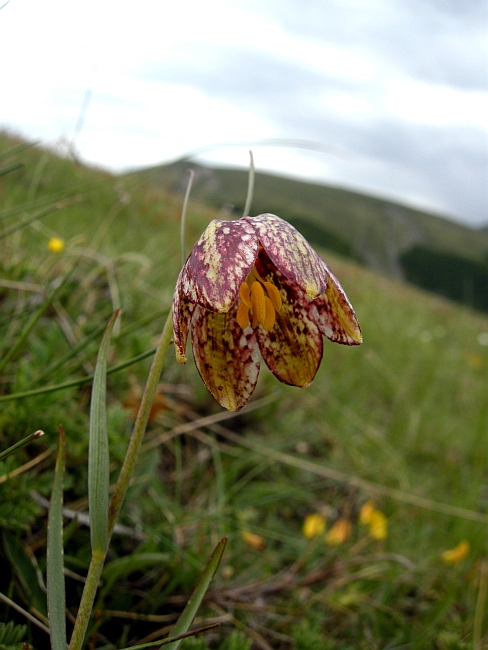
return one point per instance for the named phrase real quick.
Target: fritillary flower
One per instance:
(253, 286)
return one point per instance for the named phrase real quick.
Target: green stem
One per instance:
(97, 561)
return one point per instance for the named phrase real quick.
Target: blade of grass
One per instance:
(39, 215)
(75, 382)
(26, 573)
(31, 323)
(98, 455)
(22, 443)
(24, 613)
(250, 187)
(170, 639)
(185, 620)
(10, 168)
(72, 352)
(56, 593)
(20, 147)
(39, 203)
(183, 216)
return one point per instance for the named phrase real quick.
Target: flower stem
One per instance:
(98, 559)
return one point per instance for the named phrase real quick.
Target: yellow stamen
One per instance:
(270, 317)
(258, 303)
(244, 295)
(274, 295)
(242, 316)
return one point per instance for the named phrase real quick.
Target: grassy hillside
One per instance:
(401, 421)
(403, 243)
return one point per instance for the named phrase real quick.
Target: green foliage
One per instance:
(11, 636)
(454, 277)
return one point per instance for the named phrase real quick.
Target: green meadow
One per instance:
(400, 421)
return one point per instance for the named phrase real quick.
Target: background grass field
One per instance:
(402, 420)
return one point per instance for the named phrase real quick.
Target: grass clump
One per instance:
(400, 422)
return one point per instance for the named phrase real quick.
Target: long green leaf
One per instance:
(56, 593)
(183, 623)
(25, 571)
(75, 382)
(98, 456)
(31, 218)
(171, 639)
(22, 443)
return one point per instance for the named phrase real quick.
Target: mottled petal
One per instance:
(291, 253)
(334, 314)
(219, 263)
(293, 348)
(227, 357)
(182, 312)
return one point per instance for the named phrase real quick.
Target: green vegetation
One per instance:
(401, 420)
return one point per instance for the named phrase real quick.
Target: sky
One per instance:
(386, 97)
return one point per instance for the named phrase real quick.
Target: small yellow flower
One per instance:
(313, 525)
(378, 527)
(339, 533)
(365, 513)
(375, 520)
(457, 554)
(55, 245)
(253, 540)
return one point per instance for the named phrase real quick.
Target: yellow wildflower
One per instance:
(365, 512)
(457, 554)
(339, 533)
(313, 525)
(253, 540)
(55, 244)
(378, 525)
(375, 520)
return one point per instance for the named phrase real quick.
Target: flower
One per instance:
(55, 244)
(339, 532)
(253, 540)
(313, 525)
(375, 520)
(256, 285)
(457, 554)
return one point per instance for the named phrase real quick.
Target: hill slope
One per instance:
(401, 242)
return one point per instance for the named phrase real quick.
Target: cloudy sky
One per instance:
(385, 96)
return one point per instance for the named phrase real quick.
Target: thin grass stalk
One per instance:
(98, 558)
(72, 352)
(35, 217)
(72, 383)
(56, 591)
(183, 217)
(250, 187)
(22, 443)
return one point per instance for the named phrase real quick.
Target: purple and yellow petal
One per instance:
(219, 263)
(227, 357)
(182, 313)
(292, 349)
(334, 315)
(291, 253)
